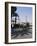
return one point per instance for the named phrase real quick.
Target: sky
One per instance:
(23, 12)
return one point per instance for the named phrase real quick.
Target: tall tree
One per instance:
(13, 13)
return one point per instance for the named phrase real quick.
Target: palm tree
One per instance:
(13, 13)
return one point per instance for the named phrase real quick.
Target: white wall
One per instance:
(2, 23)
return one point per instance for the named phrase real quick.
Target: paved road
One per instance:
(22, 35)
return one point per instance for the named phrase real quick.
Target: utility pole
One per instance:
(26, 19)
